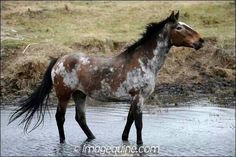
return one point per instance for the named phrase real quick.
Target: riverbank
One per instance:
(205, 73)
(220, 94)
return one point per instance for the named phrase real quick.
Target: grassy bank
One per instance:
(33, 31)
(71, 22)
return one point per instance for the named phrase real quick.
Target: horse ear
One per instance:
(172, 17)
(177, 15)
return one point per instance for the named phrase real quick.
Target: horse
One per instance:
(127, 77)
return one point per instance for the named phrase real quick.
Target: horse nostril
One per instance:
(199, 44)
(201, 40)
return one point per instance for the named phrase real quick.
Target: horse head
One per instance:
(181, 34)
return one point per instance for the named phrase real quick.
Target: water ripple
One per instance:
(185, 131)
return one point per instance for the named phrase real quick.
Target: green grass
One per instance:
(13, 44)
(116, 21)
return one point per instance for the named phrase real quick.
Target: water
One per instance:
(186, 131)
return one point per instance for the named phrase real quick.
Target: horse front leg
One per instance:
(138, 117)
(135, 114)
(129, 122)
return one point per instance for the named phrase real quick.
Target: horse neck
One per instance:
(150, 55)
(159, 53)
(153, 57)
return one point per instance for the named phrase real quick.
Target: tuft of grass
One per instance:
(13, 44)
(9, 47)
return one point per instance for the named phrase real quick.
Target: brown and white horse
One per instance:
(127, 77)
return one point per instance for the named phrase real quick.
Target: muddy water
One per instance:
(191, 130)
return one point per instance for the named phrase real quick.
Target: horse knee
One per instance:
(78, 96)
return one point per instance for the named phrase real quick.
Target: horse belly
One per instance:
(106, 93)
(144, 84)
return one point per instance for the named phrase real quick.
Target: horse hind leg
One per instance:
(60, 115)
(79, 99)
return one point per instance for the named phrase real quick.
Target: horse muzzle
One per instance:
(199, 44)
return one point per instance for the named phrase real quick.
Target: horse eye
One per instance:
(178, 28)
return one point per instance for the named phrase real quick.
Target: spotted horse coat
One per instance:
(127, 77)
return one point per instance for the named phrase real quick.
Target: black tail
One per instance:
(37, 102)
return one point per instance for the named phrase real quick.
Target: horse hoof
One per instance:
(124, 137)
(91, 137)
(62, 140)
(139, 142)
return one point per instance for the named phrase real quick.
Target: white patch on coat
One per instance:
(140, 104)
(70, 79)
(111, 69)
(182, 23)
(84, 60)
(95, 68)
(139, 80)
(56, 67)
(158, 60)
(105, 87)
(135, 80)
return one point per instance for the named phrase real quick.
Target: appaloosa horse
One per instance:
(127, 77)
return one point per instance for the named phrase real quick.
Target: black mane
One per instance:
(151, 30)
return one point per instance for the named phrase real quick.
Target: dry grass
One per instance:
(112, 21)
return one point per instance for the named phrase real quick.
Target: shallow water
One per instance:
(186, 131)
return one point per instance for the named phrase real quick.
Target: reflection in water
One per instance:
(189, 131)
